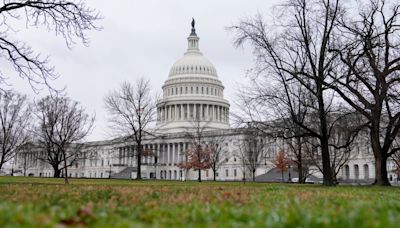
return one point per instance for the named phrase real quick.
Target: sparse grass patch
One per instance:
(39, 202)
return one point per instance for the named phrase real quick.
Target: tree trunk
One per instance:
(65, 168)
(139, 162)
(254, 175)
(326, 163)
(199, 175)
(57, 172)
(300, 163)
(300, 170)
(214, 172)
(380, 159)
(381, 175)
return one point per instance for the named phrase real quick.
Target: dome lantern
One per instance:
(193, 39)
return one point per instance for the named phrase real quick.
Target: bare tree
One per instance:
(369, 80)
(252, 150)
(217, 155)
(281, 162)
(132, 109)
(295, 50)
(63, 124)
(199, 155)
(298, 155)
(15, 113)
(70, 19)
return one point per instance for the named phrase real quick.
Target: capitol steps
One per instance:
(124, 174)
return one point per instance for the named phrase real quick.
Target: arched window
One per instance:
(366, 171)
(346, 172)
(356, 172)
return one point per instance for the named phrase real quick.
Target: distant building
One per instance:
(192, 95)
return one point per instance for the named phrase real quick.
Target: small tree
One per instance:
(15, 119)
(198, 157)
(216, 155)
(252, 150)
(62, 125)
(132, 109)
(298, 156)
(281, 162)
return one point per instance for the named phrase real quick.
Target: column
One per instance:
(182, 112)
(213, 112)
(164, 153)
(194, 111)
(119, 156)
(170, 113)
(168, 150)
(173, 153)
(176, 112)
(201, 112)
(188, 111)
(161, 158)
(179, 153)
(157, 152)
(218, 114)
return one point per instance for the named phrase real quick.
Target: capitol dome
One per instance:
(193, 63)
(192, 94)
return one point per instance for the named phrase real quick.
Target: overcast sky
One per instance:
(143, 38)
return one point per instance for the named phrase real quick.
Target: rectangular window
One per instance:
(234, 172)
(226, 172)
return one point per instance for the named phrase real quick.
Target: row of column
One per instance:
(191, 111)
(165, 153)
(28, 159)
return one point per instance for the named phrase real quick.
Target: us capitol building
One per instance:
(191, 91)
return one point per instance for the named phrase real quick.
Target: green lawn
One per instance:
(38, 202)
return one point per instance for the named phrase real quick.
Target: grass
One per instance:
(39, 202)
